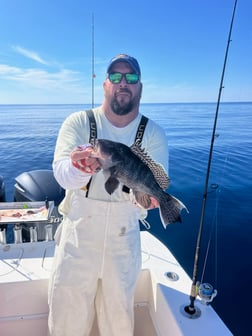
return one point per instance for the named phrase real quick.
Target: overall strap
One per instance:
(138, 141)
(92, 137)
(92, 127)
(140, 130)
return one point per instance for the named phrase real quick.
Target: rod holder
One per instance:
(18, 234)
(48, 232)
(33, 234)
(3, 236)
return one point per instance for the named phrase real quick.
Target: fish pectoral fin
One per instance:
(111, 184)
(146, 201)
(142, 199)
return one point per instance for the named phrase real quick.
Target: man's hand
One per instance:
(82, 160)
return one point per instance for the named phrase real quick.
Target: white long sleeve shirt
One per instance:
(75, 131)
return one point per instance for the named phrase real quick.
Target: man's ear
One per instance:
(141, 89)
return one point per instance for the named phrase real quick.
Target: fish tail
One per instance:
(170, 209)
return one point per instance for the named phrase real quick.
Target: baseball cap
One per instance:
(125, 58)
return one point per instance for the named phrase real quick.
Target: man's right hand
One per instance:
(82, 160)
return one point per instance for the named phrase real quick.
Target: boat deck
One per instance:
(143, 323)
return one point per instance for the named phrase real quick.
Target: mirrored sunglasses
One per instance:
(116, 77)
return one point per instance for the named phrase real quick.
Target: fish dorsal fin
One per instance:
(157, 170)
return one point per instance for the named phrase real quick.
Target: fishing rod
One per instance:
(190, 309)
(93, 74)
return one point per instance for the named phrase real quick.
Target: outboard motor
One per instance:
(35, 186)
(2, 189)
(38, 185)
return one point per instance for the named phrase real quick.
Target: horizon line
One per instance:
(143, 103)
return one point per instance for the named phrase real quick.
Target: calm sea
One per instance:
(27, 137)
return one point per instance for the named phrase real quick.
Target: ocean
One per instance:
(27, 137)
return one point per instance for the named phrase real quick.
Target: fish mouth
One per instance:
(104, 158)
(96, 151)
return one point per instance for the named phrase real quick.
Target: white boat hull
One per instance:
(159, 301)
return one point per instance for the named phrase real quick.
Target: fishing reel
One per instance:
(206, 292)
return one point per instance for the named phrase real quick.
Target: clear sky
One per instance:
(46, 49)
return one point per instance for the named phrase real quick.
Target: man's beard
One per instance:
(121, 109)
(122, 106)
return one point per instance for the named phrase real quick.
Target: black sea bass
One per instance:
(132, 167)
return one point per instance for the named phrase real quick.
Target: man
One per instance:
(98, 254)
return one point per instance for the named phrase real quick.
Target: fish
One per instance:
(135, 169)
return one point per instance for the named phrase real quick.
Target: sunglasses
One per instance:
(116, 77)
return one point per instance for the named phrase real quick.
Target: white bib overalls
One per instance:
(96, 264)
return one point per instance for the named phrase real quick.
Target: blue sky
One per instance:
(46, 49)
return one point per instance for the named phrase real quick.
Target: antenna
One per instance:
(93, 74)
